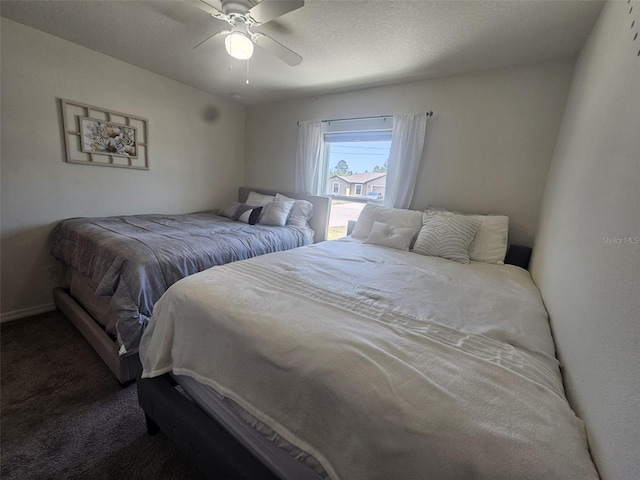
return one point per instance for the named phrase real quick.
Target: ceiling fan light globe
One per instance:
(239, 46)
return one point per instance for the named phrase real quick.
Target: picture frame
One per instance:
(103, 137)
(108, 138)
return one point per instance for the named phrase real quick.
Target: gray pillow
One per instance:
(387, 235)
(229, 210)
(276, 213)
(300, 213)
(258, 199)
(446, 237)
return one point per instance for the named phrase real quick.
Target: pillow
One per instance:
(396, 217)
(247, 214)
(300, 213)
(276, 213)
(229, 210)
(259, 200)
(387, 235)
(490, 243)
(446, 236)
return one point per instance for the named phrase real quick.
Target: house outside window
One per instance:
(356, 157)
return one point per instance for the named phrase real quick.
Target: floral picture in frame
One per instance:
(108, 138)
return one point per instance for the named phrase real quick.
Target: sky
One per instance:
(360, 156)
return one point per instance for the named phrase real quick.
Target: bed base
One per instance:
(208, 445)
(125, 368)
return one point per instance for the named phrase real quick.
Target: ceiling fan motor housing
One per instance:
(238, 7)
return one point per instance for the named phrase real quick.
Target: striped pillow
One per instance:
(247, 214)
(446, 237)
(490, 243)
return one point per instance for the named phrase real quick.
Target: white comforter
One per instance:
(380, 363)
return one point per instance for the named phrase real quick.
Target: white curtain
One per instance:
(310, 161)
(407, 144)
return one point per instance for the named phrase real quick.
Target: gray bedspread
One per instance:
(134, 259)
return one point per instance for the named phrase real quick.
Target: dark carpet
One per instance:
(63, 414)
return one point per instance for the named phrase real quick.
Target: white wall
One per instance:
(488, 147)
(196, 162)
(587, 252)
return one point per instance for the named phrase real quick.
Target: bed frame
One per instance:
(127, 368)
(213, 450)
(208, 445)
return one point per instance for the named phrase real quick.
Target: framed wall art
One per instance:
(108, 138)
(97, 136)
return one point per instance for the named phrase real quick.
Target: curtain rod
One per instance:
(428, 114)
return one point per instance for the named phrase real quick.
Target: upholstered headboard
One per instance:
(321, 208)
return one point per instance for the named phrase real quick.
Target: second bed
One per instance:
(118, 267)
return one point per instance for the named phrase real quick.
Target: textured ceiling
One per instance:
(346, 44)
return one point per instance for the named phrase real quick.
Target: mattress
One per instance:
(282, 458)
(379, 363)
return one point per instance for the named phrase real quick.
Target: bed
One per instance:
(118, 267)
(360, 359)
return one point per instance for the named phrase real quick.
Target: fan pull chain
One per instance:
(247, 82)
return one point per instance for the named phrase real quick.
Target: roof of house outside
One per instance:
(361, 177)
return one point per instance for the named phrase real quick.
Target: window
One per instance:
(360, 158)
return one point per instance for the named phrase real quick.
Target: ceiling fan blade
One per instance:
(283, 53)
(212, 7)
(212, 43)
(269, 9)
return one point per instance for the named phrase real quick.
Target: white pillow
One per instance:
(300, 213)
(259, 200)
(387, 235)
(276, 213)
(446, 236)
(396, 217)
(490, 243)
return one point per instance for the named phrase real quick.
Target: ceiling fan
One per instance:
(242, 16)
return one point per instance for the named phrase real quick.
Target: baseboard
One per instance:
(26, 312)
